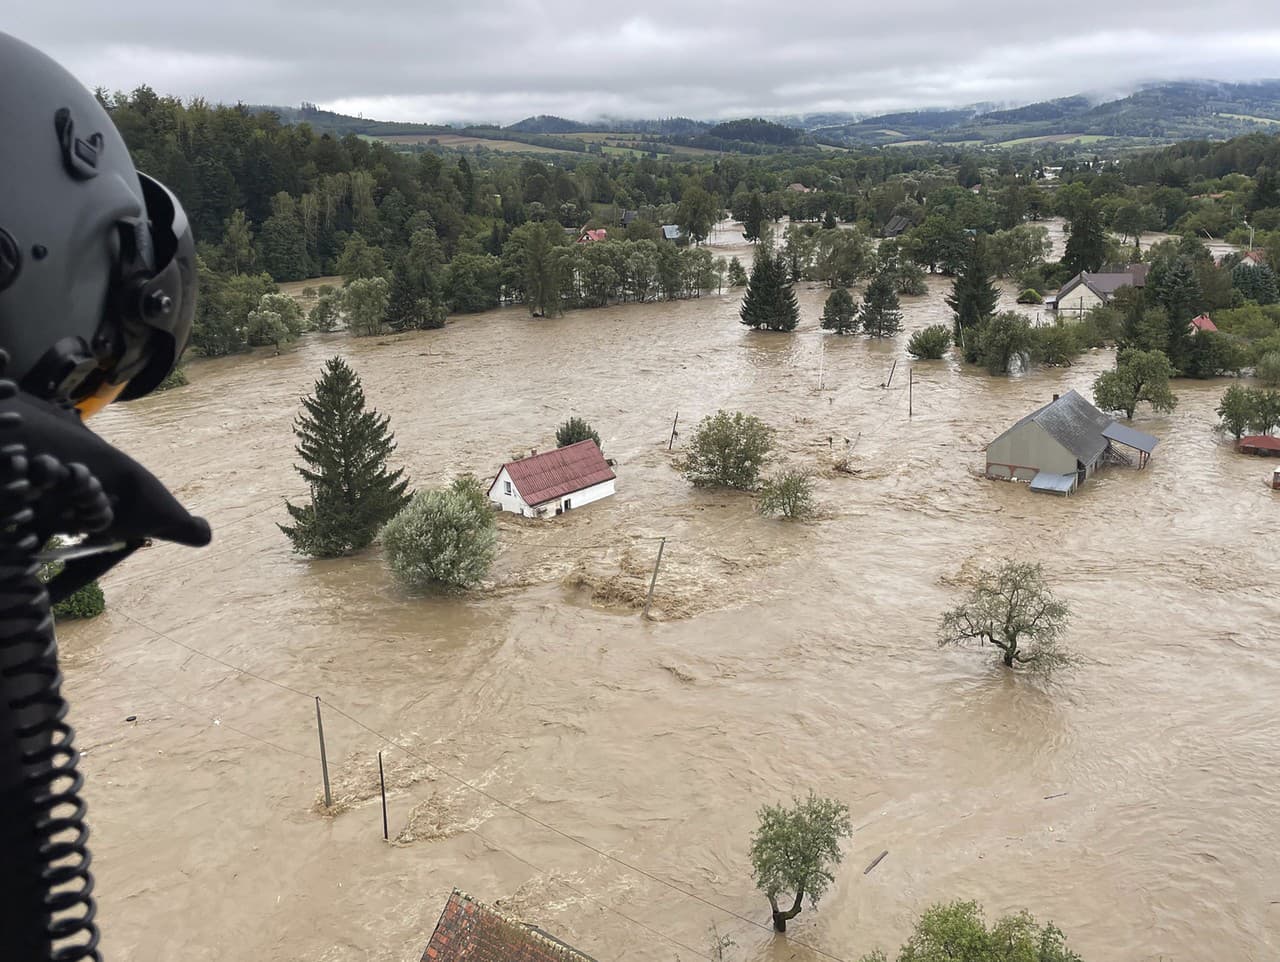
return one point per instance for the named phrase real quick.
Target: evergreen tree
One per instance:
(973, 297)
(838, 312)
(737, 275)
(1255, 283)
(283, 242)
(880, 316)
(829, 221)
(1087, 241)
(770, 303)
(345, 449)
(1177, 290)
(414, 301)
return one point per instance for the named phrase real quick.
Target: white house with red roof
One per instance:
(551, 483)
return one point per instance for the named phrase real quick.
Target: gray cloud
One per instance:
(505, 59)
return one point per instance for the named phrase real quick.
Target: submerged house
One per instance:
(551, 483)
(1090, 289)
(470, 931)
(1059, 446)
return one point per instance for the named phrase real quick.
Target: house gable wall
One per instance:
(1026, 450)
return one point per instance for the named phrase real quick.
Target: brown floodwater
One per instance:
(780, 658)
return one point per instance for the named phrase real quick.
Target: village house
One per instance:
(800, 189)
(1201, 324)
(591, 236)
(1090, 289)
(629, 216)
(673, 233)
(551, 483)
(896, 225)
(1059, 446)
(470, 931)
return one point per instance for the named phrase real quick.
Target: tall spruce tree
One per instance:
(770, 302)
(345, 449)
(838, 314)
(880, 316)
(1177, 290)
(973, 297)
(1087, 241)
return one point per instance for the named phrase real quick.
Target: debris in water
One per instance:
(131, 718)
(1059, 795)
(876, 861)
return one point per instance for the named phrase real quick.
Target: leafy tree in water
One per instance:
(1011, 608)
(795, 850)
(697, 213)
(957, 932)
(1235, 409)
(443, 538)
(880, 316)
(1086, 241)
(360, 259)
(1001, 339)
(472, 283)
(364, 301)
(345, 449)
(789, 494)
(1056, 345)
(728, 450)
(838, 312)
(575, 430)
(930, 343)
(533, 265)
(1264, 414)
(1139, 376)
(753, 223)
(1267, 369)
(737, 273)
(326, 310)
(973, 298)
(770, 302)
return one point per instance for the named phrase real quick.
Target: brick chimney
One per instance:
(1055, 397)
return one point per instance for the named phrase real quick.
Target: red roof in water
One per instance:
(471, 931)
(1260, 442)
(1202, 323)
(553, 474)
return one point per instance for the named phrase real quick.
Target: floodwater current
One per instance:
(1135, 802)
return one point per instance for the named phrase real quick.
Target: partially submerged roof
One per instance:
(470, 931)
(1130, 438)
(553, 474)
(1261, 442)
(1055, 483)
(1074, 423)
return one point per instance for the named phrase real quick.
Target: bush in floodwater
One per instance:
(1030, 296)
(930, 343)
(575, 430)
(789, 494)
(443, 538)
(1055, 345)
(728, 450)
(957, 932)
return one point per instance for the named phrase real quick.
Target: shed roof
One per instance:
(1130, 438)
(1057, 483)
(553, 474)
(470, 931)
(1262, 442)
(1074, 423)
(672, 231)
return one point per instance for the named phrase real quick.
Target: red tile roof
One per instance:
(1202, 323)
(598, 234)
(470, 931)
(553, 474)
(1256, 257)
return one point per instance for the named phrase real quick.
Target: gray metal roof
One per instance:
(1130, 438)
(672, 231)
(1074, 423)
(1058, 483)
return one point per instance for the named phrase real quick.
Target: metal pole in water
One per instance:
(649, 600)
(382, 781)
(911, 387)
(324, 759)
(672, 439)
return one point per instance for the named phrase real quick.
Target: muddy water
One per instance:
(781, 658)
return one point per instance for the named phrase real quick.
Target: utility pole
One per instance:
(911, 386)
(672, 440)
(653, 581)
(324, 759)
(382, 781)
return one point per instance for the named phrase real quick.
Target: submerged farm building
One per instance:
(470, 931)
(1059, 446)
(1090, 289)
(553, 482)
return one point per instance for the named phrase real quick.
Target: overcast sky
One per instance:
(500, 60)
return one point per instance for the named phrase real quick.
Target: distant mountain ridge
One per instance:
(1158, 112)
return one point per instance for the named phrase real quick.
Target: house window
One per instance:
(506, 488)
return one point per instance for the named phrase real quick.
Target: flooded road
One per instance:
(781, 658)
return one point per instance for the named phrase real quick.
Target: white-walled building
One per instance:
(551, 483)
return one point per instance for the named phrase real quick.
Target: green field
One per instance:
(1055, 139)
(1256, 120)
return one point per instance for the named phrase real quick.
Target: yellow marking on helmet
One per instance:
(95, 402)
